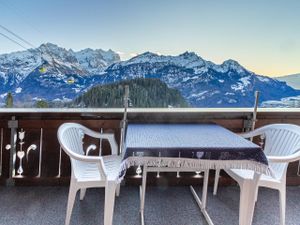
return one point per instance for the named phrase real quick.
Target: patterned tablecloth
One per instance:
(199, 146)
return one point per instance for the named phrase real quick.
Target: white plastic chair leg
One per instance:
(82, 193)
(118, 189)
(110, 191)
(244, 210)
(248, 190)
(256, 194)
(282, 200)
(243, 201)
(216, 183)
(71, 200)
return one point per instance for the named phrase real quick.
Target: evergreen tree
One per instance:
(9, 102)
(144, 93)
(41, 104)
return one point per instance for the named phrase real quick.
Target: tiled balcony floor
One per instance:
(164, 206)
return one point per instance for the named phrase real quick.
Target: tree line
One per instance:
(144, 93)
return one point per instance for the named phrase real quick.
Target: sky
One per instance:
(262, 35)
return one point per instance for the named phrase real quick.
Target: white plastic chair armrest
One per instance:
(256, 132)
(284, 159)
(85, 158)
(251, 133)
(91, 159)
(110, 137)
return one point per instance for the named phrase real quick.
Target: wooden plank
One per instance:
(54, 124)
(3, 123)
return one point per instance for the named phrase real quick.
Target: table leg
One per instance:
(204, 188)
(202, 204)
(142, 194)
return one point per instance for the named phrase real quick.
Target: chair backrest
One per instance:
(280, 140)
(70, 137)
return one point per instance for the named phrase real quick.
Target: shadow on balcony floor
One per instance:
(164, 206)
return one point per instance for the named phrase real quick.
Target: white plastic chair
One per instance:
(282, 146)
(90, 171)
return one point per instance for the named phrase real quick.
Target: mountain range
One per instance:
(53, 73)
(292, 80)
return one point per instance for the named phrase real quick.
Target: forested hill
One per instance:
(143, 93)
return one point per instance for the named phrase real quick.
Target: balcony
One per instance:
(37, 192)
(164, 205)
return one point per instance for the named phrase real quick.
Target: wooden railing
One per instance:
(30, 153)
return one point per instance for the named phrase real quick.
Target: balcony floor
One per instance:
(164, 206)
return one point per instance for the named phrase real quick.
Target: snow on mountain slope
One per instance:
(24, 62)
(201, 82)
(96, 61)
(187, 59)
(51, 72)
(51, 60)
(17, 64)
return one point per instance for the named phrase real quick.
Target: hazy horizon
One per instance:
(262, 37)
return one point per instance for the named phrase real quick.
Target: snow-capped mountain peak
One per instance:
(51, 72)
(190, 56)
(191, 60)
(231, 64)
(95, 61)
(202, 83)
(16, 66)
(50, 47)
(187, 59)
(146, 56)
(51, 52)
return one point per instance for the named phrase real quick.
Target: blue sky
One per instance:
(263, 35)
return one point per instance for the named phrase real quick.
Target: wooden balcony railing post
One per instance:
(123, 122)
(12, 125)
(1, 151)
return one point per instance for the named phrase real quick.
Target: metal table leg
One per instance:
(142, 194)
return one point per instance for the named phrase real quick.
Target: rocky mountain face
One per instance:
(202, 83)
(56, 74)
(48, 68)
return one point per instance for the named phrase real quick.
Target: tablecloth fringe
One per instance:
(197, 164)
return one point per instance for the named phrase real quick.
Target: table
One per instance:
(191, 148)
